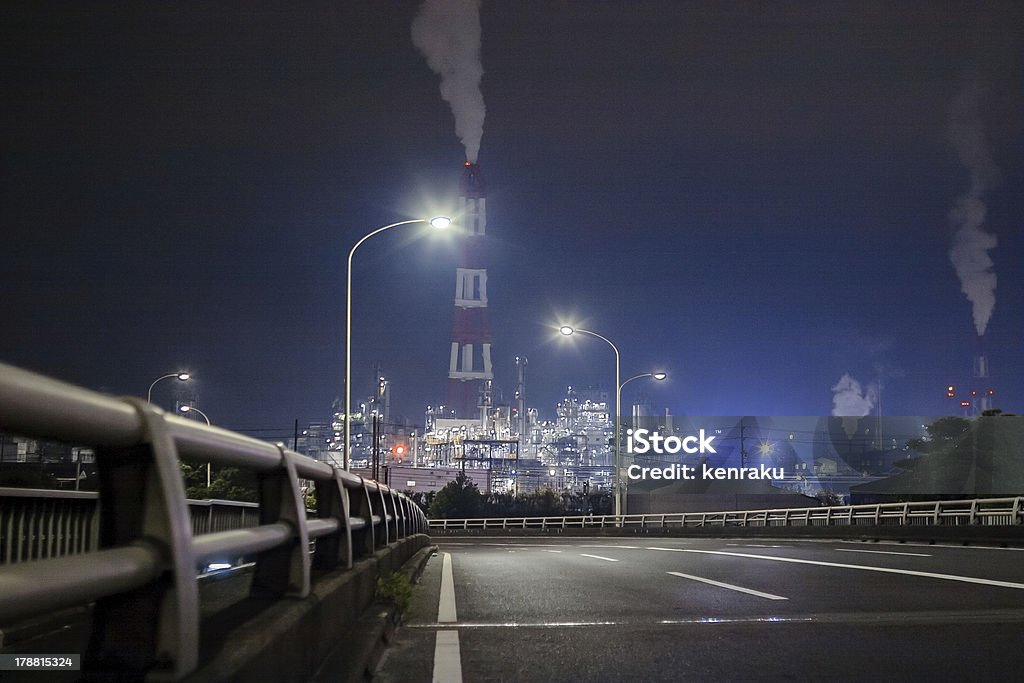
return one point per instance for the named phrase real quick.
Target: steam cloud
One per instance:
(447, 32)
(851, 401)
(971, 244)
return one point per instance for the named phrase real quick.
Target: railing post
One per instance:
(332, 503)
(283, 570)
(142, 502)
(361, 506)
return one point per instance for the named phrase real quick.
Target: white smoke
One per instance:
(447, 32)
(850, 400)
(971, 244)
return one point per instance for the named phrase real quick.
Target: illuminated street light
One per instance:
(191, 409)
(437, 222)
(568, 331)
(183, 376)
(659, 376)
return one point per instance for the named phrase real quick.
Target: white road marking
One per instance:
(730, 586)
(446, 605)
(447, 657)
(598, 557)
(551, 551)
(879, 552)
(885, 570)
(937, 545)
(623, 547)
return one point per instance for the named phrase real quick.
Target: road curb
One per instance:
(357, 659)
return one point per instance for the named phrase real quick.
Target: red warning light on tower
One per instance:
(950, 391)
(990, 392)
(965, 404)
(974, 393)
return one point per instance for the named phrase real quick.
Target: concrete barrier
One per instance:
(289, 640)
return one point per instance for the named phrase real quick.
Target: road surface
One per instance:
(656, 609)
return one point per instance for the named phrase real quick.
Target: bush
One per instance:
(395, 589)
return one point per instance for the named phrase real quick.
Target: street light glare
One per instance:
(184, 376)
(440, 222)
(566, 330)
(185, 409)
(659, 375)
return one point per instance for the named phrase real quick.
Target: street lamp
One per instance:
(568, 331)
(183, 376)
(659, 376)
(191, 409)
(439, 222)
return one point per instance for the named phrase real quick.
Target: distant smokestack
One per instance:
(469, 366)
(983, 392)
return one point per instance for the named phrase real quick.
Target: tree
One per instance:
(459, 498)
(944, 434)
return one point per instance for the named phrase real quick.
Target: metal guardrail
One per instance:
(983, 512)
(148, 546)
(39, 524)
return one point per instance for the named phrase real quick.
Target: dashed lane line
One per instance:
(841, 565)
(879, 552)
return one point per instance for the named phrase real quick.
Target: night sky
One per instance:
(754, 196)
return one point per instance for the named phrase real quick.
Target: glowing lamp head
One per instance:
(566, 330)
(659, 375)
(184, 376)
(440, 222)
(185, 409)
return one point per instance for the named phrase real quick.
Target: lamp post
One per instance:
(439, 222)
(568, 330)
(183, 376)
(659, 376)
(191, 409)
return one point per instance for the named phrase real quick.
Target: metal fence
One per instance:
(39, 524)
(983, 512)
(135, 553)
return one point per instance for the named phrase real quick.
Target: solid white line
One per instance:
(446, 604)
(598, 557)
(623, 547)
(447, 658)
(936, 545)
(885, 570)
(730, 586)
(879, 552)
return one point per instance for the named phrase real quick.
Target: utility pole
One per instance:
(743, 445)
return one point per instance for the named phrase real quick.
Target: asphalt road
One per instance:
(642, 609)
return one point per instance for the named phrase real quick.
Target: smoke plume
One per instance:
(849, 400)
(447, 32)
(971, 244)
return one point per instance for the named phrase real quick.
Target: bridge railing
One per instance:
(981, 512)
(138, 561)
(38, 524)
